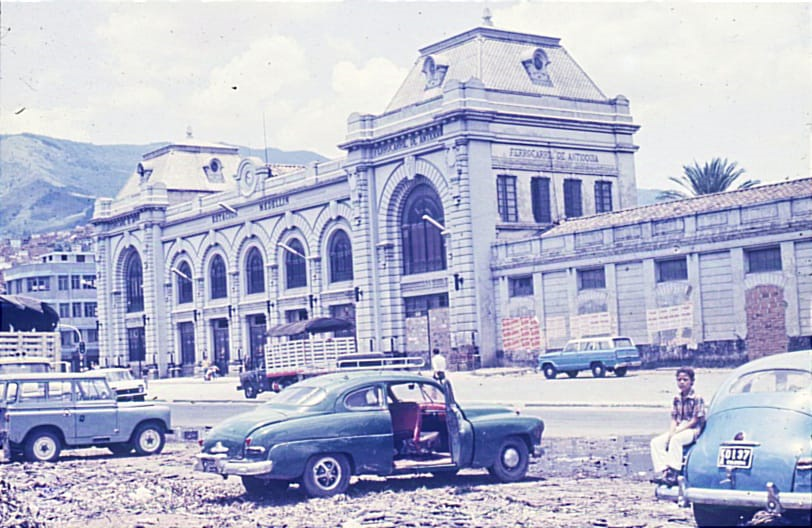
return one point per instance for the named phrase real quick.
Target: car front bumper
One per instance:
(221, 465)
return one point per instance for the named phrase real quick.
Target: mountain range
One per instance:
(49, 184)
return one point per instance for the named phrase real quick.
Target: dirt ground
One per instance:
(576, 484)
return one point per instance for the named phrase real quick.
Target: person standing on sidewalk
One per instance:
(438, 365)
(687, 419)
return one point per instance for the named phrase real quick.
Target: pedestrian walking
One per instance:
(687, 420)
(438, 365)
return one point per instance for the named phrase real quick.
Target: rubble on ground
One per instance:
(577, 484)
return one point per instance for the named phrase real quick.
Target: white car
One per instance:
(127, 387)
(17, 365)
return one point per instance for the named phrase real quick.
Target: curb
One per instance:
(575, 405)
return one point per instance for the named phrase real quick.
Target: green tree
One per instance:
(716, 176)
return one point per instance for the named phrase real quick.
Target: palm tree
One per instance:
(716, 176)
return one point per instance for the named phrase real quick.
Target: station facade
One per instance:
(494, 138)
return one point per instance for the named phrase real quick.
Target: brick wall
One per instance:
(765, 309)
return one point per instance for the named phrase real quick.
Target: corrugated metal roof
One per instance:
(678, 208)
(495, 57)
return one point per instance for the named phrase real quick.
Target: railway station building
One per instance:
(468, 216)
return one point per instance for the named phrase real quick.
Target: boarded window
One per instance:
(540, 192)
(572, 198)
(591, 279)
(672, 270)
(761, 260)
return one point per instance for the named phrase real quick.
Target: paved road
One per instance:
(560, 422)
(646, 388)
(582, 407)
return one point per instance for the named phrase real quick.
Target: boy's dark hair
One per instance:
(688, 371)
(436, 351)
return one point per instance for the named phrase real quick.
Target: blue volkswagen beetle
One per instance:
(321, 431)
(754, 456)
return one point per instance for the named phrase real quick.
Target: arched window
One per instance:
(423, 243)
(340, 251)
(217, 276)
(295, 267)
(184, 283)
(254, 273)
(134, 280)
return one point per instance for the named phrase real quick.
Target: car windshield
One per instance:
(572, 346)
(777, 380)
(299, 396)
(623, 342)
(119, 375)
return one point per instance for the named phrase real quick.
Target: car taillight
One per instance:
(248, 442)
(200, 442)
(802, 480)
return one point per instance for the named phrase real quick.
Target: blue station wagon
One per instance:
(596, 354)
(754, 456)
(323, 430)
(42, 413)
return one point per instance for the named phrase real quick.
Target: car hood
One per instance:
(232, 432)
(778, 437)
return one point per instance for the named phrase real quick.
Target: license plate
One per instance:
(735, 457)
(209, 466)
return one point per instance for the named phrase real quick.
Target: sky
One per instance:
(730, 80)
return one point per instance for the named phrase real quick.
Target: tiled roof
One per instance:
(678, 208)
(185, 166)
(495, 57)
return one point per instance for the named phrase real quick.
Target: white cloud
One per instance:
(718, 79)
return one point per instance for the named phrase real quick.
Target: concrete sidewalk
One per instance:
(511, 386)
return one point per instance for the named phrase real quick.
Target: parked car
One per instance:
(125, 385)
(755, 453)
(18, 365)
(322, 430)
(40, 414)
(598, 354)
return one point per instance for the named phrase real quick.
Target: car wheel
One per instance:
(511, 461)
(120, 449)
(707, 516)
(598, 370)
(149, 439)
(549, 371)
(42, 446)
(250, 391)
(259, 486)
(572, 373)
(326, 475)
(620, 372)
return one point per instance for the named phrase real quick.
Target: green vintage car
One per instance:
(323, 430)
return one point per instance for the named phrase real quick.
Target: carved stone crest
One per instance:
(536, 67)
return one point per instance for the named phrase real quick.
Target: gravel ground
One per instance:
(577, 483)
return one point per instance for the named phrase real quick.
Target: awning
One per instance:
(23, 314)
(310, 326)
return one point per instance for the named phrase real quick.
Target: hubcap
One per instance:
(511, 457)
(327, 473)
(45, 448)
(149, 440)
